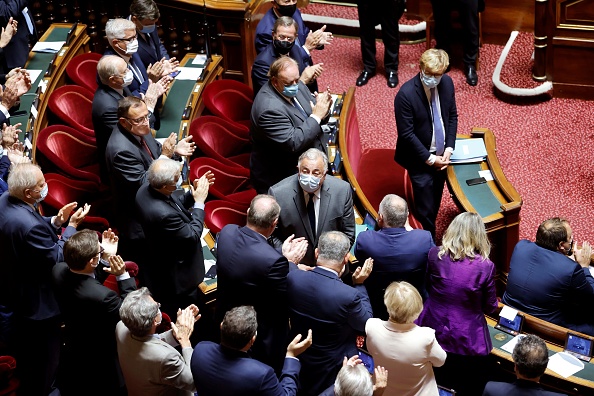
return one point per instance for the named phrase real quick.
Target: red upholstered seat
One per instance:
(82, 70)
(219, 213)
(216, 140)
(8, 384)
(229, 99)
(230, 126)
(69, 152)
(111, 281)
(73, 105)
(232, 183)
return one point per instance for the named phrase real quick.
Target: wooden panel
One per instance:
(579, 14)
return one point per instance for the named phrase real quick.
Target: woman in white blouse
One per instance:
(407, 351)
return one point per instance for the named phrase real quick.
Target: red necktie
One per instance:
(143, 143)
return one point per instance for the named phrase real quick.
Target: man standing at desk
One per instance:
(427, 121)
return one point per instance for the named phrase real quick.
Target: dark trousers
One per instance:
(427, 186)
(387, 13)
(468, 11)
(467, 375)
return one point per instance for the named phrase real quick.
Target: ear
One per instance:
(347, 257)
(316, 253)
(27, 193)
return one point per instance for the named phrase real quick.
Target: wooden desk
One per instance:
(496, 201)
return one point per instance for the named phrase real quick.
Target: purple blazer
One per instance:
(460, 292)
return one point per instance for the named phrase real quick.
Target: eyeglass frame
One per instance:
(139, 120)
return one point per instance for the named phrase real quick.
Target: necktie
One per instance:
(437, 128)
(311, 213)
(146, 147)
(298, 106)
(29, 21)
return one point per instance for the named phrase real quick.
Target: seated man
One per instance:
(150, 363)
(547, 280)
(398, 254)
(284, 35)
(335, 312)
(530, 362)
(227, 369)
(354, 379)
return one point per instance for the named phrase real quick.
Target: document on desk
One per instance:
(564, 364)
(468, 151)
(199, 60)
(511, 344)
(48, 47)
(189, 73)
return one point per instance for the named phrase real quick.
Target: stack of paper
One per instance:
(469, 150)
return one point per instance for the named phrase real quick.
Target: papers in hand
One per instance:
(189, 73)
(469, 150)
(48, 47)
(564, 364)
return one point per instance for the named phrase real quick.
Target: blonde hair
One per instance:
(434, 61)
(403, 301)
(466, 237)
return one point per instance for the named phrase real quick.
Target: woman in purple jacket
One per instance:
(461, 287)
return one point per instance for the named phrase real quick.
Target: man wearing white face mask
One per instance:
(285, 122)
(427, 123)
(312, 203)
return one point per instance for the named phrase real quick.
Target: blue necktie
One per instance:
(298, 106)
(437, 128)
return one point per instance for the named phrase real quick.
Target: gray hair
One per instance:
(21, 177)
(138, 312)
(262, 214)
(531, 356)
(353, 381)
(394, 210)
(108, 66)
(115, 28)
(314, 154)
(333, 246)
(163, 172)
(285, 21)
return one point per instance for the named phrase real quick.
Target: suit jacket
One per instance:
(460, 293)
(136, 87)
(518, 388)
(16, 52)
(264, 31)
(152, 366)
(221, 371)
(4, 169)
(251, 272)
(280, 133)
(398, 255)
(335, 312)
(547, 284)
(415, 123)
(127, 163)
(173, 229)
(30, 248)
(335, 214)
(151, 54)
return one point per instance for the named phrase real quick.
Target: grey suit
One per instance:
(280, 133)
(335, 214)
(152, 366)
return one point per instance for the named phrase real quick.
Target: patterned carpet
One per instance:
(532, 139)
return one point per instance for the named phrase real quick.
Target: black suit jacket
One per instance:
(173, 229)
(151, 54)
(251, 272)
(16, 52)
(518, 388)
(415, 123)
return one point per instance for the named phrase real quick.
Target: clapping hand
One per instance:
(109, 241)
(117, 266)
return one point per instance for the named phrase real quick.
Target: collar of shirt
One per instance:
(328, 269)
(306, 195)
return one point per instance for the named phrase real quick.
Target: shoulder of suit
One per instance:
(335, 182)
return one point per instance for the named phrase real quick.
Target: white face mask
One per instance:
(309, 183)
(42, 194)
(132, 47)
(128, 78)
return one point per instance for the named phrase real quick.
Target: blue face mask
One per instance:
(148, 29)
(291, 90)
(430, 81)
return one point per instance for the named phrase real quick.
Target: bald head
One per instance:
(163, 172)
(112, 66)
(393, 211)
(263, 213)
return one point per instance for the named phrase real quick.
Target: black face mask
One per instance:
(286, 10)
(283, 47)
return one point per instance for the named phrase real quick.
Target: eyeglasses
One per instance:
(101, 250)
(139, 120)
(128, 39)
(290, 39)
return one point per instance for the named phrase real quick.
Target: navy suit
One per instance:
(550, 286)
(264, 31)
(4, 169)
(136, 87)
(415, 131)
(221, 371)
(518, 388)
(398, 255)
(16, 52)
(150, 48)
(336, 313)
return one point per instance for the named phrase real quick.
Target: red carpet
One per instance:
(532, 140)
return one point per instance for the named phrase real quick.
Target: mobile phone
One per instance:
(367, 360)
(478, 180)
(445, 391)
(174, 74)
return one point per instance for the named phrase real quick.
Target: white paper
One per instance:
(199, 60)
(208, 264)
(486, 174)
(511, 344)
(205, 232)
(189, 73)
(48, 46)
(34, 111)
(34, 74)
(564, 364)
(28, 143)
(508, 313)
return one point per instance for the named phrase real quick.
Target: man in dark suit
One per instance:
(129, 152)
(312, 203)
(30, 248)
(88, 308)
(252, 272)
(547, 279)
(427, 122)
(227, 369)
(285, 123)
(172, 225)
(16, 52)
(530, 362)
(284, 35)
(398, 253)
(334, 311)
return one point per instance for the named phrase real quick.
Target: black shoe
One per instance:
(471, 76)
(392, 78)
(364, 77)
